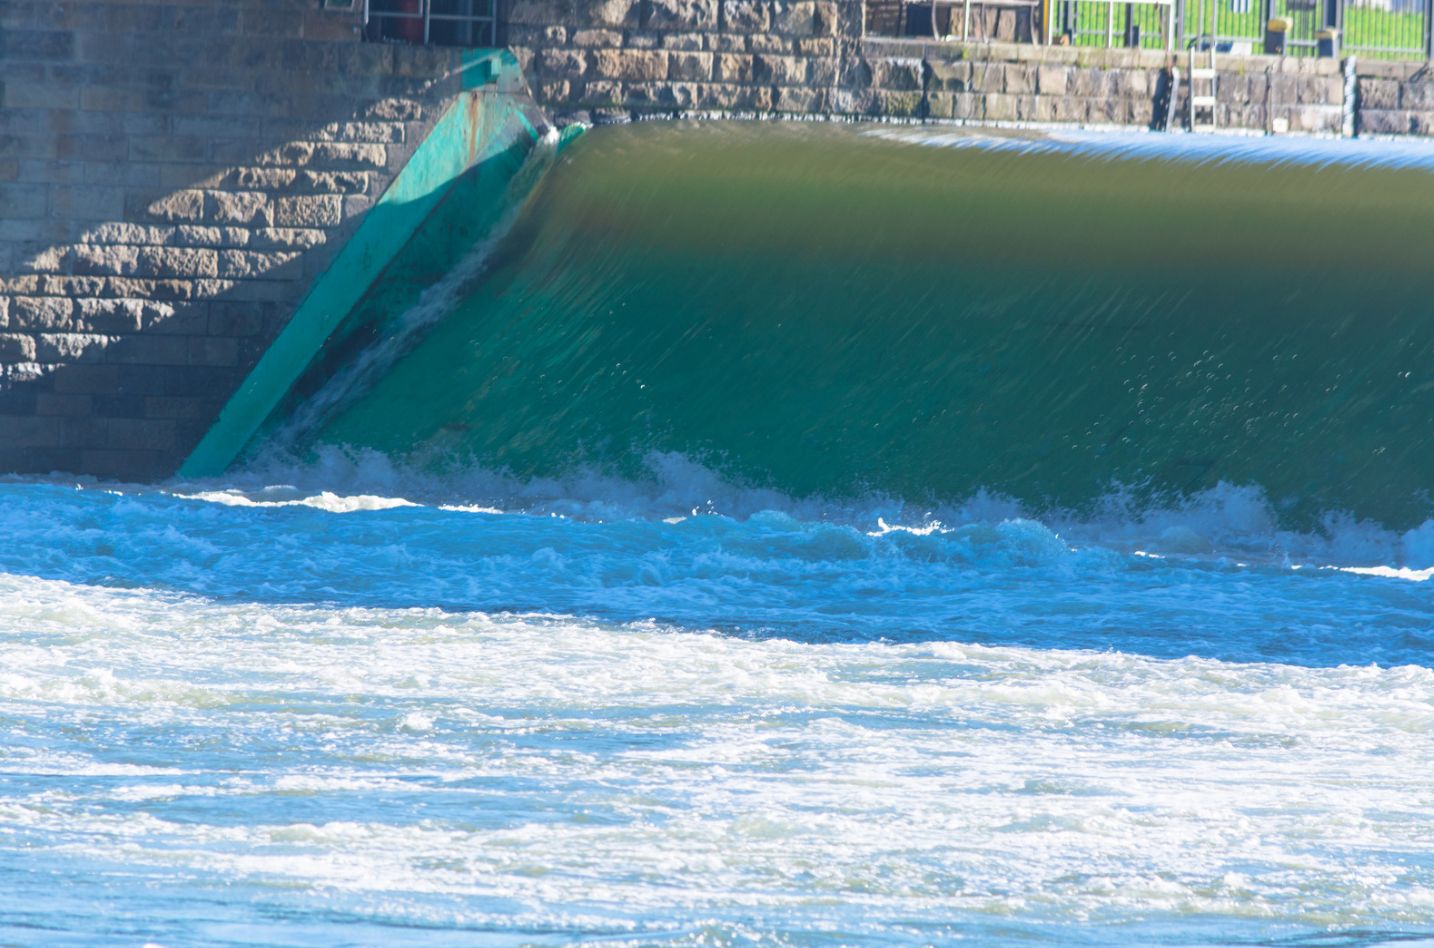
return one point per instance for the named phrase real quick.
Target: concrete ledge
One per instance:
(486, 124)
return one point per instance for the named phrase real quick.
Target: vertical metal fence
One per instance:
(440, 22)
(1373, 29)
(1146, 24)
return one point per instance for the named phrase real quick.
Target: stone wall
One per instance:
(661, 56)
(172, 175)
(1395, 98)
(1129, 88)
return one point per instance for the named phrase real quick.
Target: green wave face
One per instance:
(829, 311)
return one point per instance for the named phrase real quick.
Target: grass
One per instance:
(1368, 31)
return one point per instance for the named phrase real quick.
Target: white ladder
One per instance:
(1202, 102)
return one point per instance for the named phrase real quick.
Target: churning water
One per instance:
(795, 536)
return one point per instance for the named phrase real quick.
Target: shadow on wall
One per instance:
(168, 210)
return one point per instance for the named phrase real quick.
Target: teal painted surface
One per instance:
(828, 313)
(485, 120)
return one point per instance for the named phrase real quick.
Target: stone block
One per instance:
(798, 100)
(213, 351)
(190, 235)
(682, 14)
(1417, 96)
(821, 73)
(54, 405)
(17, 347)
(72, 286)
(779, 70)
(716, 96)
(110, 315)
(550, 93)
(23, 201)
(562, 63)
(895, 74)
(940, 105)
(753, 99)
(260, 179)
(1133, 83)
(948, 76)
(179, 206)
(746, 16)
(795, 19)
(1018, 79)
(286, 238)
(350, 155)
(236, 319)
(322, 210)
(688, 41)
(601, 93)
(631, 65)
(332, 182)
(97, 259)
(41, 313)
(117, 232)
(1000, 107)
(243, 264)
(1385, 121)
(625, 13)
(734, 67)
(151, 350)
(397, 109)
(898, 104)
(250, 208)
(72, 347)
(817, 46)
(770, 43)
(597, 38)
(1052, 80)
(177, 262)
(690, 66)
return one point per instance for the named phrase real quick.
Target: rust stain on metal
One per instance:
(473, 108)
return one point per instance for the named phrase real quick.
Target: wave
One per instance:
(822, 312)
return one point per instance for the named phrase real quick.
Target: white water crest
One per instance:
(681, 712)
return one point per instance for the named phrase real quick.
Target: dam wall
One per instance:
(176, 177)
(648, 58)
(172, 178)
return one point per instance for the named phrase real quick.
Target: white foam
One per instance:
(601, 777)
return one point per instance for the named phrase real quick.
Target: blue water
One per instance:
(677, 712)
(566, 675)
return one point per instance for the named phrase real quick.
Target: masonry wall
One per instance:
(651, 57)
(1395, 98)
(172, 175)
(609, 57)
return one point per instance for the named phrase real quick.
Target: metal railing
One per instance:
(439, 22)
(1373, 29)
(1143, 24)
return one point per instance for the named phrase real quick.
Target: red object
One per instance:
(408, 29)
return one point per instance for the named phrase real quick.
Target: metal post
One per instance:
(1429, 29)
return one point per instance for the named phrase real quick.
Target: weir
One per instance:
(183, 188)
(469, 158)
(1054, 321)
